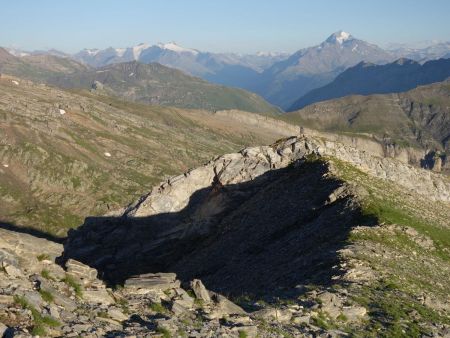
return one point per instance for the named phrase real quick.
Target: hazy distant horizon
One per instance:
(218, 26)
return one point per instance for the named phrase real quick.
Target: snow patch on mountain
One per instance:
(120, 51)
(92, 52)
(343, 36)
(137, 50)
(339, 37)
(176, 48)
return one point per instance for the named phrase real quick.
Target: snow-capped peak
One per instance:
(91, 52)
(137, 50)
(270, 54)
(176, 48)
(120, 51)
(339, 37)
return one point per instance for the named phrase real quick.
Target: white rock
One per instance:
(62, 111)
(107, 154)
(6, 165)
(15, 82)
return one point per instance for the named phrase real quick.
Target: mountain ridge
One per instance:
(157, 84)
(368, 78)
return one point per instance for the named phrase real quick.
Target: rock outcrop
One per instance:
(194, 223)
(285, 232)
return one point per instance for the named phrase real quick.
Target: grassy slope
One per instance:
(157, 84)
(409, 255)
(57, 171)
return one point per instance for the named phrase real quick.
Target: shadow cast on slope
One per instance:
(30, 231)
(277, 231)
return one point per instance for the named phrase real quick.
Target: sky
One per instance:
(243, 26)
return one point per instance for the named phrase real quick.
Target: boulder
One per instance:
(81, 271)
(200, 291)
(183, 298)
(223, 307)
(330, 303)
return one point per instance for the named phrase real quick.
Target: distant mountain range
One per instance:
(314, 67)
(278, 77)
(149, 83)
(368, 78)
(170, 54)
(433, 51)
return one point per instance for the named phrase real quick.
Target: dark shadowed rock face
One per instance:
(275, 231)
(258, 221)
(254, 222)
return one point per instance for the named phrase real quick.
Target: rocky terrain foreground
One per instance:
(305, 237)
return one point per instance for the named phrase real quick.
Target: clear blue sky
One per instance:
(217, 25)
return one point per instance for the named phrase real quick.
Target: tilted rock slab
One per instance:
(174, 195)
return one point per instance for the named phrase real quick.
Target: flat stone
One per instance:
(153, 281)
(279, 315)
(6, 299)
(97, 297)
(354, 313)
(116, 314)
(80, 270)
